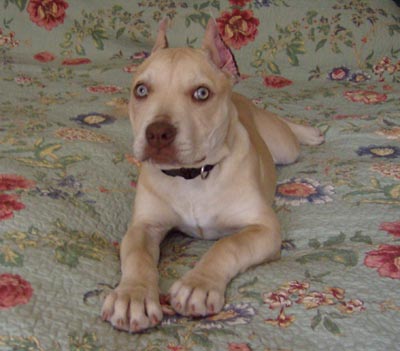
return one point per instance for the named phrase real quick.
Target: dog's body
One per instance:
(185, 115)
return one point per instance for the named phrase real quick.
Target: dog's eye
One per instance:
(201, 94)
(141, 91)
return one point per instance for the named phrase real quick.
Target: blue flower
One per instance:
(231, 314)
(379, 151)
(94, 119)
(359, 77)
(262, 3)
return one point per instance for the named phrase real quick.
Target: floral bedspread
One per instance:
(67, 174)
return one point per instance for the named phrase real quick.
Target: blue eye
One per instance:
(141, 91)
(201, 94)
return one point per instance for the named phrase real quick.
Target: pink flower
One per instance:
(391, 227)
(23, 80)
(276, 82)
(365, 96)
(386, 259)
(277, 299)
(132, 68)
(44, 56)
(315, 299)
(13, 181)
(238, 28)
(14, 291)
(107, 89)
(337, 293)
(47, 13)
(9, 204)
(282, 321)
(76, 61)
(232, 346)
(296, 287)
(352, 306)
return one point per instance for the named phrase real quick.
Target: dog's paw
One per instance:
(132, 307)
(311, 136)
(196, 295)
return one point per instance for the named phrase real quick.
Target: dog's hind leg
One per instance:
(283, 138)
(305, 134)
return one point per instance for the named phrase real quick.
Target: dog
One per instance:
(207, 158)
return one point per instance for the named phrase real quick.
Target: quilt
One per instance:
(68, 176)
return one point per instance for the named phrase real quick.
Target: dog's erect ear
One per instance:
(161, 40)
(219, 53)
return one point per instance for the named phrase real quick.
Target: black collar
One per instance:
(189, 173)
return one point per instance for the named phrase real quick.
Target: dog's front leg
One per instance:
(134, 305)
(201, 291)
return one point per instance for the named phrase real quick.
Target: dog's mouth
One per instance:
(169, 157)
(164, 156)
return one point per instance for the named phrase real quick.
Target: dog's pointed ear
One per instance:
(218, 51)
(161, 40)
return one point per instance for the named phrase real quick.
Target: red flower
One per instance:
(44, 56)
(386, 259)
(13, 181)
(276, 81)
(232, 346)
(76, 61)
(47, 13)
(14, 290)
(240, 3)
(238, 27)
(391, 227)
(9, 204)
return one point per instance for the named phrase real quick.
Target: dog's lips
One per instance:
(160, 156)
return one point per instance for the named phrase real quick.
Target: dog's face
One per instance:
(180, 107)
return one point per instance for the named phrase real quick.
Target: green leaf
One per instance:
(335, 240)
(359, 238)
(316, 320)
(67, 256)
(321, 44)
(314, 243)
(80, 50)
(393, 28)
(273, 67)
(202, 340)
(310, 16)
(293, 59)
(347, 258)
(331, 326)
(369, 57)
(120, 32)
(10, 258)
(204, 5)
(349, 43)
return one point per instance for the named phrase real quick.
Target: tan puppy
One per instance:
(208, 169)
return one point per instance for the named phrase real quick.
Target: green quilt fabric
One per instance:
(68, 177)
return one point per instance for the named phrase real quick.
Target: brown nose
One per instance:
(160, 134)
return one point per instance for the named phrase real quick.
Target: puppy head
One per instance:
(180, 105)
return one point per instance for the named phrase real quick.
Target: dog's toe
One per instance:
(196, 297)
(131, 309)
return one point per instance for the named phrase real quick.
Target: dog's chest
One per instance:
(202, 214)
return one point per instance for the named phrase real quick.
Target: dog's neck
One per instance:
(190, 173)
